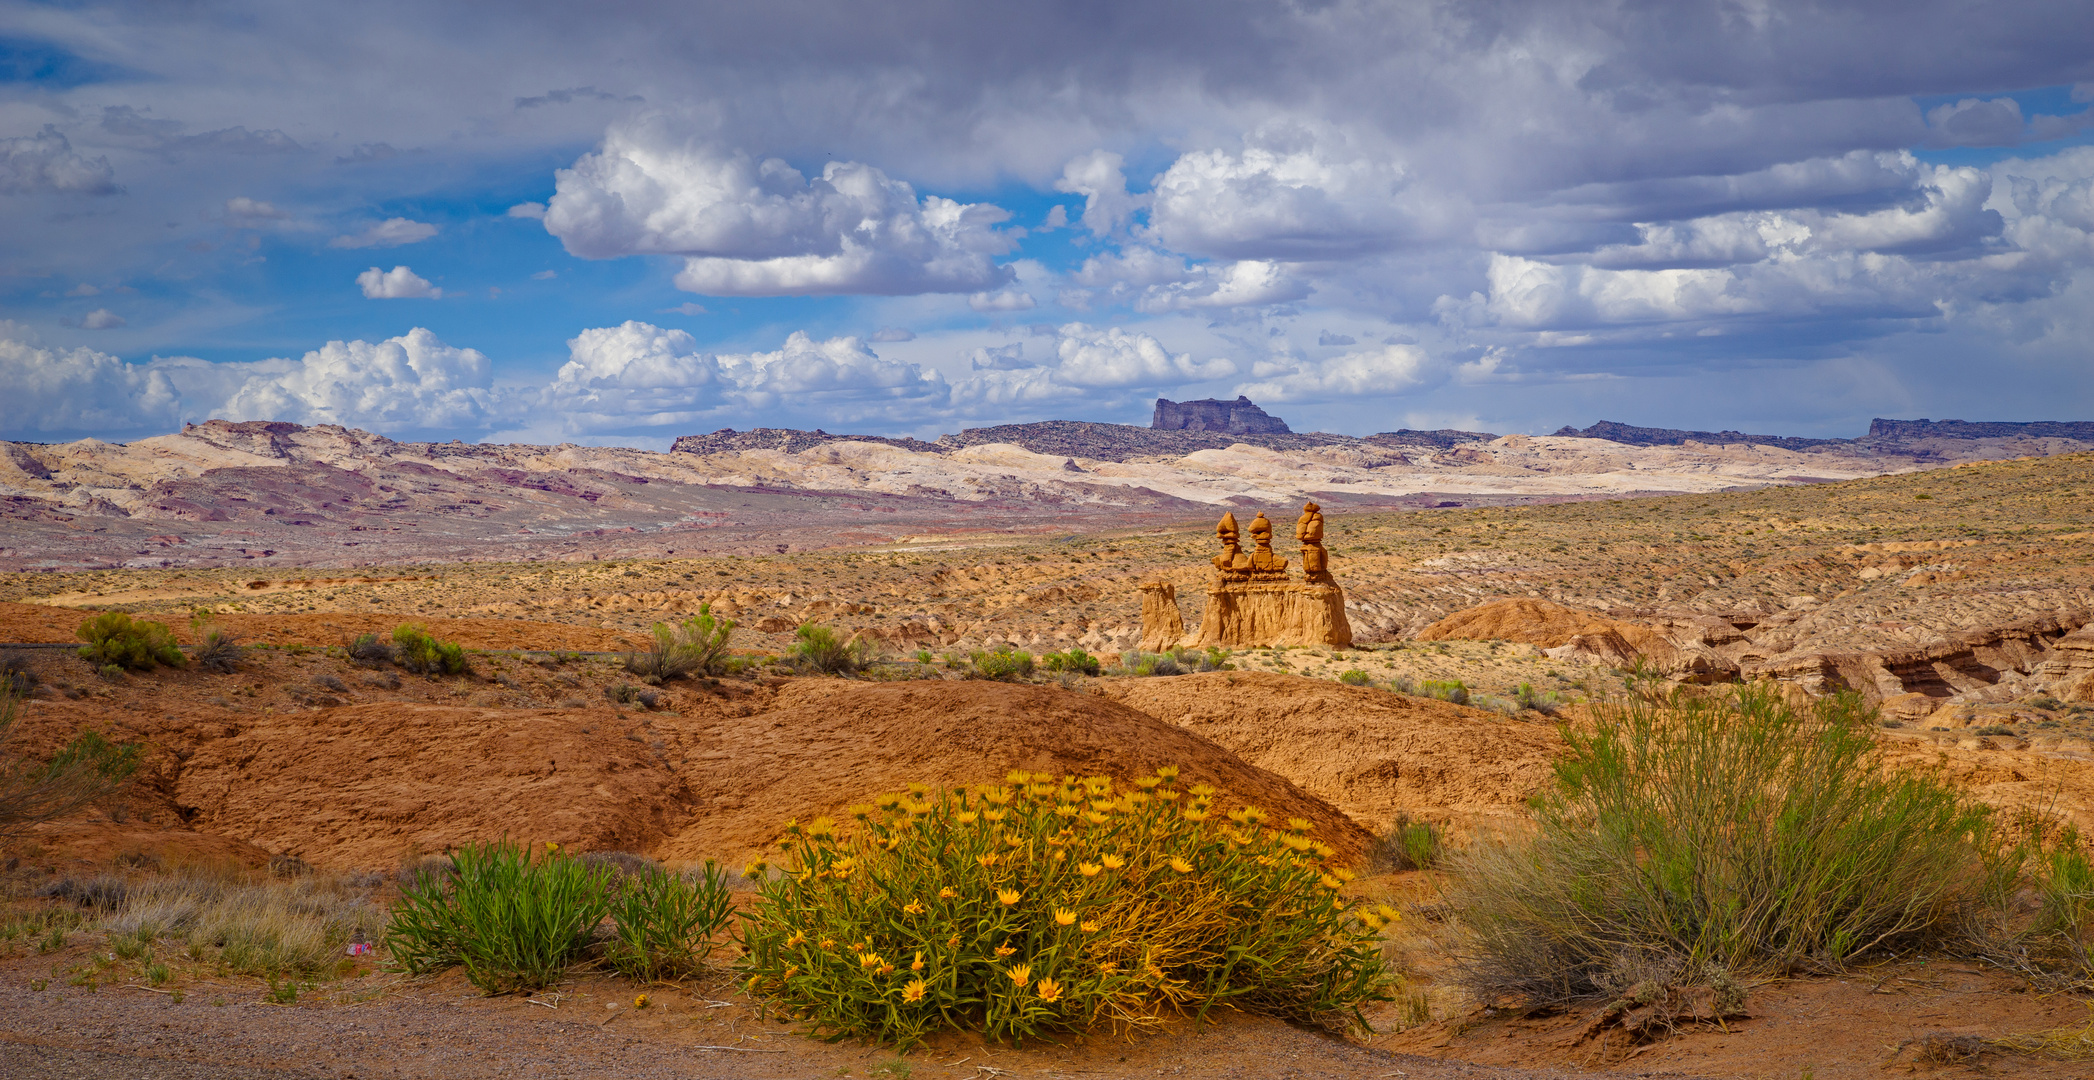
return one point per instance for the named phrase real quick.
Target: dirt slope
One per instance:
(1370, 752)
(32, 623)
(825, 744)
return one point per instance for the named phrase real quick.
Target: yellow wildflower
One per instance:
(1388, 913)
(1089, 927)
(1168, 772)
(1064, 917)
(821, 826)
(861, 811)
(1295, 824)
(754, 870)
(994, 815)
(913, 992)
(640, 1002)
(1007, 897)
(798, 939)
(987, 860)
(1095, 817)
(917, 964)
(1066, 810)
(1370, 920)
(1020, 973)
(1049, 991)
(953, 942)
(870, 959)
(1169, 795)
(1179, 864)
(1112, 862)
(1147, 782)
(1089, 869)
(1003, 951)
(946, 893)
(828, 945)
(1204, 791)
(1108, 967)
(1330, 882)
(790, 971)
(966, 817)
(915, 907)
(1194, 813)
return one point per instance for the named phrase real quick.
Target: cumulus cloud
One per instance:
(1101, 179)
(530, 211)
(392, 232)
(80, 391)
(760, 228)
(1368, 373)
(1002, 300)
(1285, 196)
(1250, 283)
(45, 163)
(399, 283)
(101, 319)
(410, 382)
(637, 375)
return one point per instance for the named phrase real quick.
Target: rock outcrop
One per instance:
(1162, 626)
(1238, 417)
(1252, 602)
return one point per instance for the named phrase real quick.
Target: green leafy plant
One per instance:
(1736, 832)
(1449, 690)
(1074, 661)
(1546, 703)
(819, 648)
(515, 919)
(83, 772)
(115, 639)
(417, 651)
(1049, 903)
(1410, 844)
(666, 922)
(1356, 677)
(696, 646)
(1002, 663)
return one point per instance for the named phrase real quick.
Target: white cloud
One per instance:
(1100, 178)
(45, 162)
(637, 375)
(392, 232)
(534, 211)
(1248, 283)
(80, 391)
(750, 228)
(240, 208)
(399, 283)
(894, 333)
(410, 382)
(544, 275)
(1374, 372)
(101, 319)
(83, 289)
(1013, 299)
(1112, 357)
(1289, 194)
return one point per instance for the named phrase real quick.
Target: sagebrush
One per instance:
(696, 646)
(1046, 904)
(114, 639)
(1736, 832)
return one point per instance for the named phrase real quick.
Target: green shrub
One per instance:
(513, 920)
(83, 772)
(697, 646)
(1451, 690)
(1004, 663)
(369, 651)
(1409, 844)
(415, 650)
(1073, 661)
(1054, 904)
(666, 922)
(1737, 833)
(1356, 677)
(819, 648)
(1546, 704)
(1217, 659)
(115, 639)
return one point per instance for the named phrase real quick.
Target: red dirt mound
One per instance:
(825, 744)
(37, 623)
(1539, 622)
(366, 785)
(96, 843)
(1370, 752)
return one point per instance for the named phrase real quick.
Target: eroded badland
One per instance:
(1953, 598)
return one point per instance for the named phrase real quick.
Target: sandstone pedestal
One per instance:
(1162, 627)
(1243, 614)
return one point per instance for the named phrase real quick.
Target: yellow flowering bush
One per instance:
(1047, 903)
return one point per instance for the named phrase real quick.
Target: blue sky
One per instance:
(640, 220)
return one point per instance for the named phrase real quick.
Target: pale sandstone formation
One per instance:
(1162, 626)
(1251, 600)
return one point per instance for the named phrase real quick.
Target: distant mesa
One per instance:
(1963, 429)
(1880, 430)
(1631, 435)
(1238, 417)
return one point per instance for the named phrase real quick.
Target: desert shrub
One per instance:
(666, 921)
(1216, 659)
(1072, 661)
(216, 647)
(17, 677)
(513, 919)
(1402, 684)
(1994, 729)
(271, 929)
(1048, 904)
(1409, 844)
(83, 772)
(1356, 677)
(923, 656)
(1002, 663)
(628, 694)
(1546, 704)
(1143, 664)
(417, 651)
(1739, 833)
(114, 638)
(819, 648)
(1451, 690)
(369, 651)
(696, 646)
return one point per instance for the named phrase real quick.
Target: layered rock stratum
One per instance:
(224, 493)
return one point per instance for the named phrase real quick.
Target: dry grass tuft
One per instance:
(270, 929)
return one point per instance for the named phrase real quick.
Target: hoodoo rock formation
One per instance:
(1238, 417)
(1251, 599)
